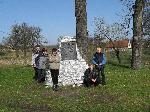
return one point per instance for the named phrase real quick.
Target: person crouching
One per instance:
(91, 76)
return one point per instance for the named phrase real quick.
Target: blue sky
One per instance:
(54, 17)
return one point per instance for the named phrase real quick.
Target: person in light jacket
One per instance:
(54, 67)
(35, 53)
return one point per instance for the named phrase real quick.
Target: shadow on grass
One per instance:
(119, 65)
(25, 106)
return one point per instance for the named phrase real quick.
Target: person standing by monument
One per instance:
(35, 53)
(42, 62)
(54, 67)
(99, 60)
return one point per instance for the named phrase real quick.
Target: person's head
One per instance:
(37, 48)
(54, 51)
(91, 66)
(44, 51)
(99, 50)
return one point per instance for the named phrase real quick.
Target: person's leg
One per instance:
(35, 77)
(103, 76)
(56, 79)
(92, 83)
(39, 71)
(86, 82)
(52, 74)
(43, 74)
(98, 81)
(55, 74)
(98, 73)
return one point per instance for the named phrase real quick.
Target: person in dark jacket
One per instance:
(42, 62)
(99, 60)
(91, 76)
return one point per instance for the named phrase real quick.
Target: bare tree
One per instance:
(23, 37)
(146, 27)
(112, 33)
(146, 20)
(13, 40)
(138, 9)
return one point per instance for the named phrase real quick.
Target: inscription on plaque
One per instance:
(68, 50)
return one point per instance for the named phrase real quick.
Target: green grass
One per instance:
(126, 91)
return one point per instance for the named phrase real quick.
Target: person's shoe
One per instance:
(46, 86)
(53, 87)
(56, 88)
(103, 83)
(34, 78)
(38, 81)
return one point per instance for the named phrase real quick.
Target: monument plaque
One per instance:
(68, 50)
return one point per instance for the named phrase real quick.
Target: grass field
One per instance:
(126, 91)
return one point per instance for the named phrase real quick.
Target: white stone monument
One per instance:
(72, 65)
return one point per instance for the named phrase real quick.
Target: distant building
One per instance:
(123, 45)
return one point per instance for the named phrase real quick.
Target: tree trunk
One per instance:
(81, 26)
(118, 55)
(137, 34)
(117, 51)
